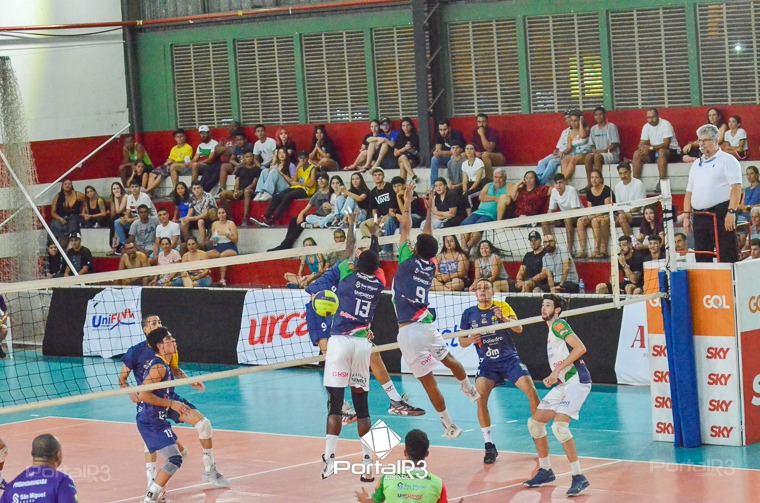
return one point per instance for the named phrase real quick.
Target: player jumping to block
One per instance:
(136, 360)
(420, 343)
(319, 331)
(348, 352)
(563, 402)
(499, 360)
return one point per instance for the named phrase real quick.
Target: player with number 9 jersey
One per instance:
(411, 285)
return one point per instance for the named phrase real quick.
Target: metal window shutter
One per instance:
(336, 77)
(266, 82)
(201, 84)
(650, 58)
(394, 71)
(728, 52)
(564, 62)
(484, 67)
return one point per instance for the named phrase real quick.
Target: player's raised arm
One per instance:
(351, 235)
(405, 220)
(428, 228)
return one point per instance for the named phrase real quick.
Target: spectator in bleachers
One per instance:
(487, 210)
(383, 149)
(225, 147)
(754, 253)
(446, 212)
(181, 200)
(549, 164)
(201, 202)
(300, 186)
(236, 159)
(283, 140)
(658, 144)
(578, 144)
(322, 195)
(133, 258)
(627, 189)
(197, 277)
(451, 267)
(407, 149)
(65, 211)
(444, 139)
(685, 255)
(139, 174)
(332, 258)
(116, 211)
(246, 178)
(359, 192)
(473, 177)
(714, 117)
(382, 203)
(94, 212)
(79, 256)
(166, 229)
(490, 266)
(417, 208)
(529, 197)
(598, 194)
(651, 223)
(532, 274)
(264, 147)
(272, 179)
(631, 266)
(135, 199)
(735, 139)
(314, 265)
(487, 145)
(454, 167)
(371, 137)
(327, 201)
(167, 255)
(132, 152)
(54, 266)
(605, 145)
(750, 199)
(753, 230)
(224, 238)
(142, 232)
(179, 158)
(654, 248)
(205, 163)
(564, 197)
(323, 153)
(561, 274)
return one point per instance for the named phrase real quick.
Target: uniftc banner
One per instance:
(273, 327)
(748, 313)
(113, 322)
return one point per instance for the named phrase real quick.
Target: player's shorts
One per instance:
(511, 369)
(566, 398)
(347, 362)
(318, 326)
(173, 414)
(156, 433)
(422, 347)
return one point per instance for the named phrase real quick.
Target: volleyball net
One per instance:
(72, 331)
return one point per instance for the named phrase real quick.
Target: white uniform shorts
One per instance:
(347, 362)
(566, 398)
(422, 347)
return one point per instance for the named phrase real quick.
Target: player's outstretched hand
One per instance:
(199, 386)
(362, 496)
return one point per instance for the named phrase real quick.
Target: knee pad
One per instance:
(561, 432)
(536, 429)
(204, 429)
(3, 453)
(173, 459)
(360, 405)
(335, 401)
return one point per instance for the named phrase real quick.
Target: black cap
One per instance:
(385, 119)
(397, 180)
(534, 235)
(177, 131)
(303, 154)
(75, 235)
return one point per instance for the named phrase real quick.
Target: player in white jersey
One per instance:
(562, 403)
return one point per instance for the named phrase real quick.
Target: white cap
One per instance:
(203, 129)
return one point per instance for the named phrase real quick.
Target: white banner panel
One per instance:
(748, 313)
(273, 327)
(113, 322)
(632, 361)
(662, 407)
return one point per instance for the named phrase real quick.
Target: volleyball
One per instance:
(325, 303)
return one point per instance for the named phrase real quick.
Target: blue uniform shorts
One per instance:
(156, 433)
(318, 326)
(511, 369)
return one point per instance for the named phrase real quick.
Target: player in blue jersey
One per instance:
(42, 482)
(3, 455)
(420, 343)
(137, 360)
(348, 351)
(499, 360)
(564, 402)
(319, 331)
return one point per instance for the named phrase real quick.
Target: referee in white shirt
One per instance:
(714, 186)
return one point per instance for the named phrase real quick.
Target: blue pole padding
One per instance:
(679, 337)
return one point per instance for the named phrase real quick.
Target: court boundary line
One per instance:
(25, 420)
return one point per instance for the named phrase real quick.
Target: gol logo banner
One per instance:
(712, 302)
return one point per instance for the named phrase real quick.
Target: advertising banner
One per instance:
(113, 322)
(632, 361)
(748, 313)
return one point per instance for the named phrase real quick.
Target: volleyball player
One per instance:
(3, 455)
(349, 349)
(499, 360)
(420, 343)
(564, 402)
(319, 331)
(137, 359)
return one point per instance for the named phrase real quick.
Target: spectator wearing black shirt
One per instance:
(240, 146)
(407, 149)
(362, 159)
(444, 139)
(382, 202)
(386, 157)
(321, 195)
(417, 208)
(54, 266)
(446, 211)
(80, 256)
(532, 273)
(655, 248)
(323, 154)
(283, 140)
(359, 192)
(246, 178)
(631, 264)
(487, 145)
